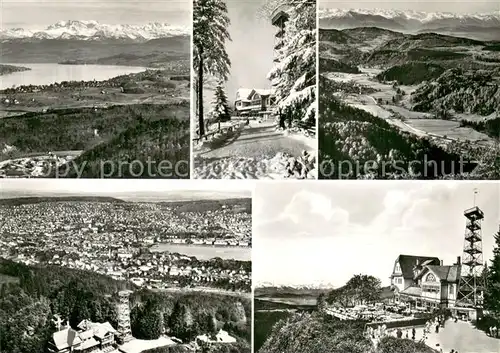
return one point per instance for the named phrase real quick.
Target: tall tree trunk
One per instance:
(200, 94)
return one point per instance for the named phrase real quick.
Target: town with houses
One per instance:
(118, 239)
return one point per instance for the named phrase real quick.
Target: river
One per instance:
(44, 74)
(206, 252)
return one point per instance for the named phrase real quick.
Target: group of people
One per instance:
(376, 333)
(382, 331)
(399, 333)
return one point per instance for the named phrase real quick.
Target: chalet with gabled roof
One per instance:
(405, 268)
(424, 282)
(89, 337)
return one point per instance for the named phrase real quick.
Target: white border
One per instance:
(317, 92)
(252, 290)
(192, 106)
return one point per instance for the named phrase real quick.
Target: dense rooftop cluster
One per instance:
(114, 238)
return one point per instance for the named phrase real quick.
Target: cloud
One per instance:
(305, 204)
(327, 235)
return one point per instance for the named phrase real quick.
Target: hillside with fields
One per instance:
(401, 102)
(84, 96)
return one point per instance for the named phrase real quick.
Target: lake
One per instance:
(44, 74)
(204, 252)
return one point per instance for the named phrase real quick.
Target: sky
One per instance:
(38, 14)
(251, 49)
(130, 190)
(324, 233)
(455, 6)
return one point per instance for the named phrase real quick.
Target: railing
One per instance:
(474, 211)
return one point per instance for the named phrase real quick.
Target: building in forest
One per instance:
(253, 101)
(88, 337)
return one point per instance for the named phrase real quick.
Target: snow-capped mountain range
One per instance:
(411, 21)
(93, 30)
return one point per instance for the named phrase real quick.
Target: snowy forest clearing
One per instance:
(274, 168)
(259, 151)
(422, 125)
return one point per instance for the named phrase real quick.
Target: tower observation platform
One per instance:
(472, 281)
(124, 328)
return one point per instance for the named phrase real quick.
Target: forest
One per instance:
(75, 129)
(327, 64)
(411, 73)
(149, 149)
(461, 91)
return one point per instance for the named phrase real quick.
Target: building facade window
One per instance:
(397, 269)
(430, 278)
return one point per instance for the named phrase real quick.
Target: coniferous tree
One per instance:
(295, 73)
(210, 23)
(220, 108)
(492, 293)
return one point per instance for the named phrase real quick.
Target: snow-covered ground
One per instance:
(310, 142)
(256, 151)
(448, 128)
(245, 168)
(138, 346)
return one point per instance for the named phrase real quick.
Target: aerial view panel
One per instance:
(95, 89)
(409, 90)
(125, 266)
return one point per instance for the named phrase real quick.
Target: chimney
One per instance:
(440, 262)
(459, 260)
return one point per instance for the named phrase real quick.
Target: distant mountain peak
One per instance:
(412, 21)
(93, 30)
(407, 14)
